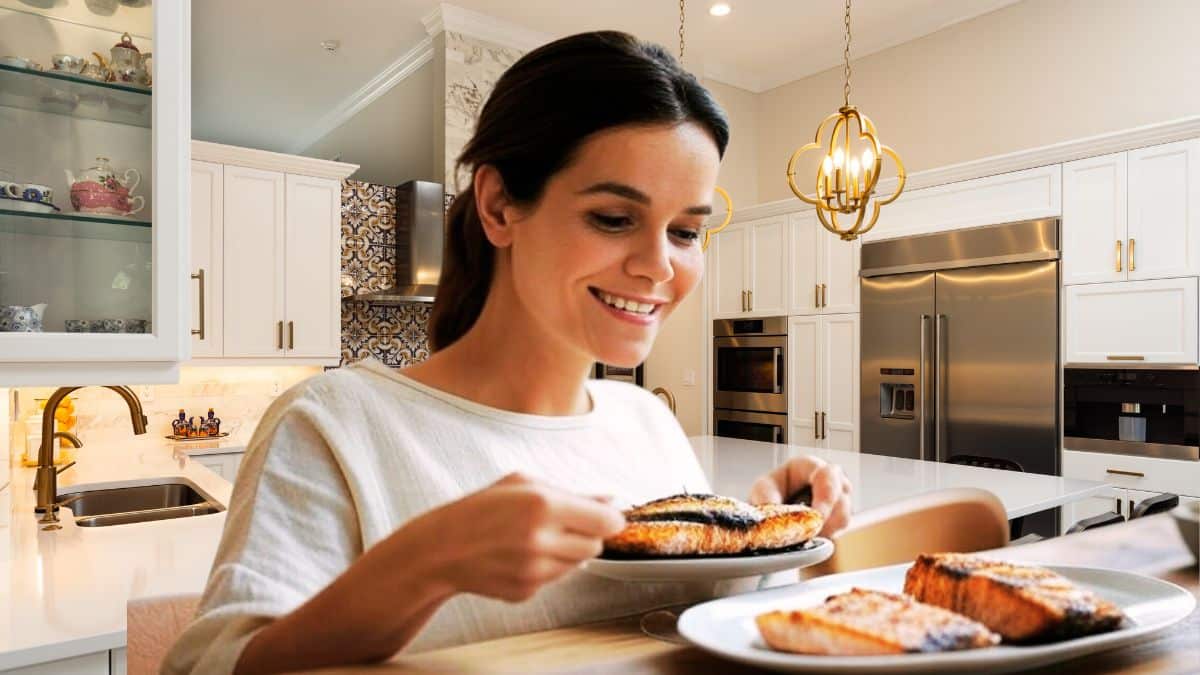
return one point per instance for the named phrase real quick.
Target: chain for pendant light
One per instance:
(708, 233)
(846, 58)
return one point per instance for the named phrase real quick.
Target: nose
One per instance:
(651, 257)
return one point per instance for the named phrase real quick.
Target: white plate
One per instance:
(726, 626)
(710, 569)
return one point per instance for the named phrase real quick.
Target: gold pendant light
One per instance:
(849, 171)
(708, 232)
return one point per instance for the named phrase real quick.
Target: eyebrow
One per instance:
(633, 194)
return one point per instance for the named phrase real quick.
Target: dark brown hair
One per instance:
(541, 110)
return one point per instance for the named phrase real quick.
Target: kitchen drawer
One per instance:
(1139, 473)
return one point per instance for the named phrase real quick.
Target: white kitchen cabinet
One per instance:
(749, 267)
(88, 664)
(1094, 220)
(117, 661)
(823, 353)
(1148, 474)
(225, 465)
(1164, 211)
(110, 291)
(1073, 512)
(824, 268)
(207, 257)
(1132, 215)
(1133, 321)
(267, 235)
(252, 300)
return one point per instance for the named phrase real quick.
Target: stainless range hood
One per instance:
(420, 235)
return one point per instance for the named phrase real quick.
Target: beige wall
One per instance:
(1028, 75)
(739, 167)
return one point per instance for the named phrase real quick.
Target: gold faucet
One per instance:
(46, 480)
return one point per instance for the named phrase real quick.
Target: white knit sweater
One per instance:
(343, 459)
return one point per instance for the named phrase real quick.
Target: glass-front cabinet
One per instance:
(94, 156)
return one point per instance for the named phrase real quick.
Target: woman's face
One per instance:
(613, 245)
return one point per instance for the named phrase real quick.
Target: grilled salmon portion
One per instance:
(700, 524)
(1023, 603)
(866, 623)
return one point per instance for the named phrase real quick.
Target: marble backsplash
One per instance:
(393, 334)
(239, 396)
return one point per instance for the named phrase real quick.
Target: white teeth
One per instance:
(627, 305)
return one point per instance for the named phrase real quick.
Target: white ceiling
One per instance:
(261, 79)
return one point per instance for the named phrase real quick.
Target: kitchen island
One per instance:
(65, 591)
(733, 464)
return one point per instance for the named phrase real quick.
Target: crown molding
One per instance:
(379, 85)
(455, 19)
(271, 161)
(1067, 151)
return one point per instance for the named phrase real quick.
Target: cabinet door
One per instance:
(312, 301)
(768, 266)
(839, 380)
(1073, 512)
(1094, 220)
(252, 298)
(838, 267)
(803, 379)
(728, 255)
(207, 216)
(1132, 321)
(89, 664)
(215, 463)
(806, 234)
(1164, 211)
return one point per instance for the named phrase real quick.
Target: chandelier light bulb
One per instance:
(827, 165)
(838, 157)
(854, 167)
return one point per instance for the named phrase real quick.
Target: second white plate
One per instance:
(726, 626)
(710, 569)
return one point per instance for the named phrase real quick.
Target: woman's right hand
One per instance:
(509, 539)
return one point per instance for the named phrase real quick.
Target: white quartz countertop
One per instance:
(733, 464)
(65, 591)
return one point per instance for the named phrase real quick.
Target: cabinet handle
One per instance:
(1118, 255)
(280, 332)
(1122, 472)
(1129, 357)
(291, 335)
(816, 425)
(822, 426)
(750, 299)
(824, 296)
(1132, 261)
(745, 302)
(817, 296)
(199, 276)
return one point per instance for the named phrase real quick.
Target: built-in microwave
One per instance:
(1144, 411)
(749, 357)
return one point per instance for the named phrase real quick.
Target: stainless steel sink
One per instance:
(174, 498)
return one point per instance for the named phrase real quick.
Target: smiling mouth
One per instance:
(627, 305)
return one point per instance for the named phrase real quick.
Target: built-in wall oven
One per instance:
(749, 378)
(1152, 412)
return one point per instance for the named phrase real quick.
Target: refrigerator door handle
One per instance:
(939, 365)
(924, 384)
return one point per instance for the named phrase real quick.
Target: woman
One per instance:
(380, 510)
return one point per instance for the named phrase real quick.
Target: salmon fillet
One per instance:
(700, 525)
(1023, 603)
(864, 623)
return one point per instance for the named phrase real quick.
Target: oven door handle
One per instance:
(778, 432)
(778, 352)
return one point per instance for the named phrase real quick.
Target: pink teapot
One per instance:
(100, 189)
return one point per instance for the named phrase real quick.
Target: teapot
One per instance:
(125, 62)
(100, 189)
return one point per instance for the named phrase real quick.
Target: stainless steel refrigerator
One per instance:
(960, 347)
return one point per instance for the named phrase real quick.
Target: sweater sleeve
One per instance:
(291, 529)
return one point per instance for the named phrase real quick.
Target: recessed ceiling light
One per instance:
(719, 9)
(331, 45)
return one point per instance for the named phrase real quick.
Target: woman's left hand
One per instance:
(830, 489)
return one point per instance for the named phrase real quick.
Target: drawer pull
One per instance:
(1129, 357)
(1122, 472)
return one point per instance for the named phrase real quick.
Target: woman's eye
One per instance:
(610, 223)
(686, 234)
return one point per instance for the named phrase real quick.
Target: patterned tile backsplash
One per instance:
(393, 334)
